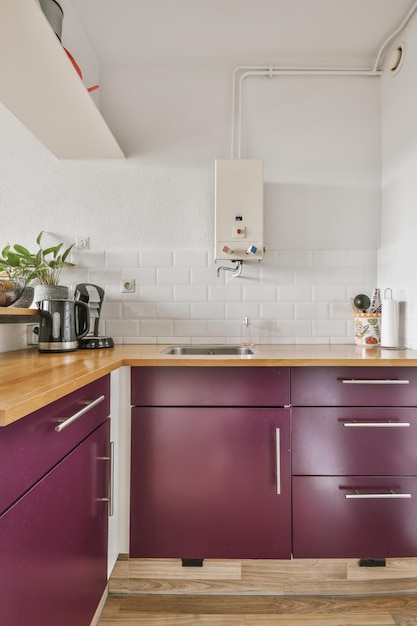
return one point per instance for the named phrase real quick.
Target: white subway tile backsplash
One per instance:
(240, 310)
(207, 310)
(173, 276)
(206, 276)
(225, 293)
(346, 275)
(329, 328)
(190, 328)
(261, 293)
(138, 310)
(156, 258)
(329, 293)
(311, 311)
(191, 258)
(362, 258)
(156, 293)
(330, 258)
(173, 310)
(88, 258)
(121, 258)
(277, 310)
(105, 276)
(294, 293)
(124, 328)
(294, 258)
(190, 293)
(142, 275)
(292, 296)
(156, 327)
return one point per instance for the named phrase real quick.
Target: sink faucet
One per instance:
(237, 270)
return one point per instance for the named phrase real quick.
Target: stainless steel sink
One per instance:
(209, 350)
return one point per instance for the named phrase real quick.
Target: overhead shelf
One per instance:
(41, 88)
(10, 315)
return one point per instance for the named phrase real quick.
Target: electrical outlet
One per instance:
(32, 334)
(82, 243)
(128, 285)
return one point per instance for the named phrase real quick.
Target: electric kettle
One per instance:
(63, 323)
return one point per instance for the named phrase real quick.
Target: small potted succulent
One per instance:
(41, 268)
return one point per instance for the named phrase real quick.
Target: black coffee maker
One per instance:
(93, 297)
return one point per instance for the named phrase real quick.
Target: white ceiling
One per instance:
(337, 32)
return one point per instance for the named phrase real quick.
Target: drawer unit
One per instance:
(32, 445)
(352, 440)
(354, 462)
(210, 386)
(354, 386)
(351, 517)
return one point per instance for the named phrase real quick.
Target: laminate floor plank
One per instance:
(387, 610)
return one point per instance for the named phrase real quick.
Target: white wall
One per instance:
(397, 257)
(151, 217)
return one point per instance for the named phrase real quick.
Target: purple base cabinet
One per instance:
(53, 542)
(354, 462)
(210, 483)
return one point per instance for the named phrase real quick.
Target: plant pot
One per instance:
(50, 292)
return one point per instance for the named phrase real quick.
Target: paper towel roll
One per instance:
(389, 323)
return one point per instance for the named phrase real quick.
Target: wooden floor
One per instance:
(261, 593)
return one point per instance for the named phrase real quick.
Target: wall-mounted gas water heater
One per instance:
(239, 212)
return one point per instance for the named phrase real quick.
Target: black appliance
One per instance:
(92, 296)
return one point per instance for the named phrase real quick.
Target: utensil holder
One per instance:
(368, 329)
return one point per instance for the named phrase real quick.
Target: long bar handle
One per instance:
(382, 381)
(278, 458)
(376, 424)
(70, 420)
(381, 496)
(110, 499)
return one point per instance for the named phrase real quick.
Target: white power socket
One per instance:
(32, 334)
(128, 285)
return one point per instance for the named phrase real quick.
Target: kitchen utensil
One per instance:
(62, 325)
(362, 302)
(92, 296)
(374, 299)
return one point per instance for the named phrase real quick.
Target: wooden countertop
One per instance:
(29, 380)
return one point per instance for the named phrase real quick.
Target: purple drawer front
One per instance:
(31, 446)
(354, 386)
(210, 386)
(353, 517)
(351, 440)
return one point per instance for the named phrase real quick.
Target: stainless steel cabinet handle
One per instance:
(376, 424)
(278, 458)
(364, 381)
(70, 420)
(110, 499)
(391, 495)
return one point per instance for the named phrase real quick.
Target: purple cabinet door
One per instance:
(31, 446)
(210, 483)
(354, 516)
(53, 542)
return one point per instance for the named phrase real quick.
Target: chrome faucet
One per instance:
(237, 270)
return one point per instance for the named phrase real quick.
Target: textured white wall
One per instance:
(320, 142)
(397, 257)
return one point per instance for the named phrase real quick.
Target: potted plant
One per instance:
(42, 267)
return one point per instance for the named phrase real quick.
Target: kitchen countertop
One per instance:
(29, 380)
